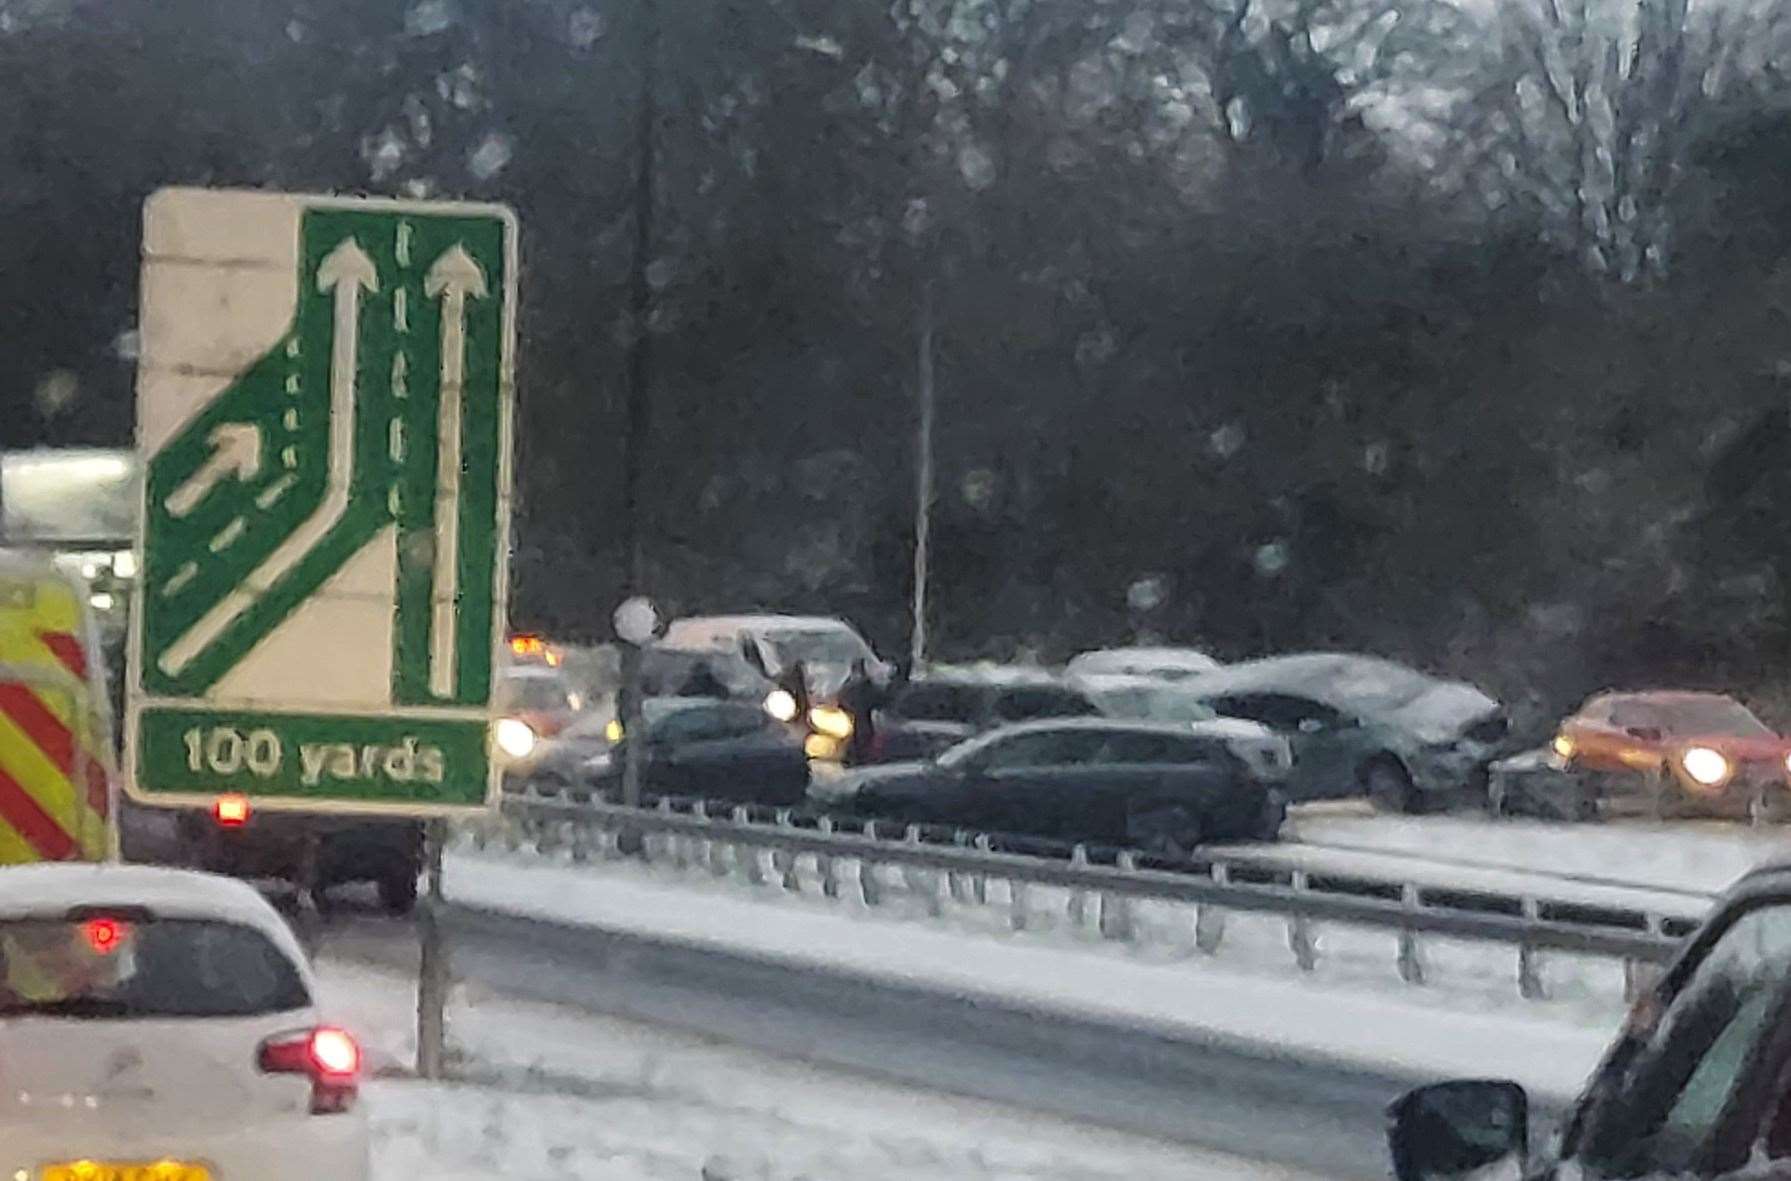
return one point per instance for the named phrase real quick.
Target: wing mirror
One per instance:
(1644, 733)
(1456, 1129)
(1311, 726)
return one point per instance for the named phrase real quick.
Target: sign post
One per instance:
(324, 409)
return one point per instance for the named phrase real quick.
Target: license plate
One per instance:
(92, 1170)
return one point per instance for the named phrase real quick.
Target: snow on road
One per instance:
(1702, 856)
(569, 1096)
(1355, 1012)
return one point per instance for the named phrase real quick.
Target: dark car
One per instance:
(315, 852)
(1694, 1086)
(695, 746)
(1360, 725)
(926, 717)
(1150, 786)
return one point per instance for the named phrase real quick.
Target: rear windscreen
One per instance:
(116, 967)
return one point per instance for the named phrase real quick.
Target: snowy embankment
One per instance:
(1353, 1011)
(572, 1096)
(1686, 856)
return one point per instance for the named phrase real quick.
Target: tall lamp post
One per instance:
(923, 483)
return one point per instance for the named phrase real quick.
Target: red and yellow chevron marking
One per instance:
(54, 787)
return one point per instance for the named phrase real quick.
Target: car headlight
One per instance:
(831, 721)
(1565, 746)
(613, 731)
(515, 737)
(781, 704)
(1705, 766)
(820, 746)
(1788, 764)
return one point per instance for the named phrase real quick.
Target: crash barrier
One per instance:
(772, 847)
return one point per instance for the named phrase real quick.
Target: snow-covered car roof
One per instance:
(987, 673)
(1368, 685)
(720, 631)
(53, 888)
(1126, 683)
(1142, 661)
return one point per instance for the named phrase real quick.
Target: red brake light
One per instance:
(103, 935)
(331, 1057)
(334, 1052)
(231, 811)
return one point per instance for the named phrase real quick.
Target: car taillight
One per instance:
(230, 811)
(330, 1057)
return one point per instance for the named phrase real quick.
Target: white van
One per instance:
(764, 646)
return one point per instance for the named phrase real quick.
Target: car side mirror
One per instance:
(1311, 726)
(1450, 1130)
(1644, 733)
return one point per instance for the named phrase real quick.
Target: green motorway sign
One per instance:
(324, 403)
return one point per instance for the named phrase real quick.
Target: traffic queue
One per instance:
(831, 727)
(1158, 749)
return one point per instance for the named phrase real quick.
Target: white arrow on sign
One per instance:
(348, 272)
(236, 450)
(454, 277)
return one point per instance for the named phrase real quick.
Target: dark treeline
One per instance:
(1454, 333)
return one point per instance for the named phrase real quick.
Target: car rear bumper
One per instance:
(290, 1148)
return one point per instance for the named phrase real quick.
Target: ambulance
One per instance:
(58, 780)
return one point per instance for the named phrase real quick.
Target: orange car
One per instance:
(1686, 750)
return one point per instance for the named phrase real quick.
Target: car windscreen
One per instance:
(1156, 703)
(1041, 701)
(121, 968)
(937, 702)
(1692, 716)
(532, 694)
(816, 646)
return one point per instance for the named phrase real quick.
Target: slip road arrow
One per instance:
(236, 450)
(453, 278)
(347, 271)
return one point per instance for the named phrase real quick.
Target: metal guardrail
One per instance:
(729, 839)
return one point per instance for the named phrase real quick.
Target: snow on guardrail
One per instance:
(786, 850)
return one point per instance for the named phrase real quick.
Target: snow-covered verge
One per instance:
(571, 1096)
(1703, 856)
(1353, 1010)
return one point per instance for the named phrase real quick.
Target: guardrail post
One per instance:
(1078, 907)
(712, 852)
(870, 886)
(748, 856)
(958, 883)
(1209, 919)
(1299, 931)
(1019, 905)
(677, 848)
(1411, 963)
(825, 865)
(979, 885)
(1118, 921)
(583, 833)
(926, 881)
(783, 861)
(1529, 960)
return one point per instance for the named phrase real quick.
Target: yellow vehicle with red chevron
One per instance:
(57, 773)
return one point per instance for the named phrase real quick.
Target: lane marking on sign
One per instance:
(453, 278)
(348, 272)
(236, 451)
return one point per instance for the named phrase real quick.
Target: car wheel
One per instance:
(1166, 830)
(398, 891)
(1390, 787)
